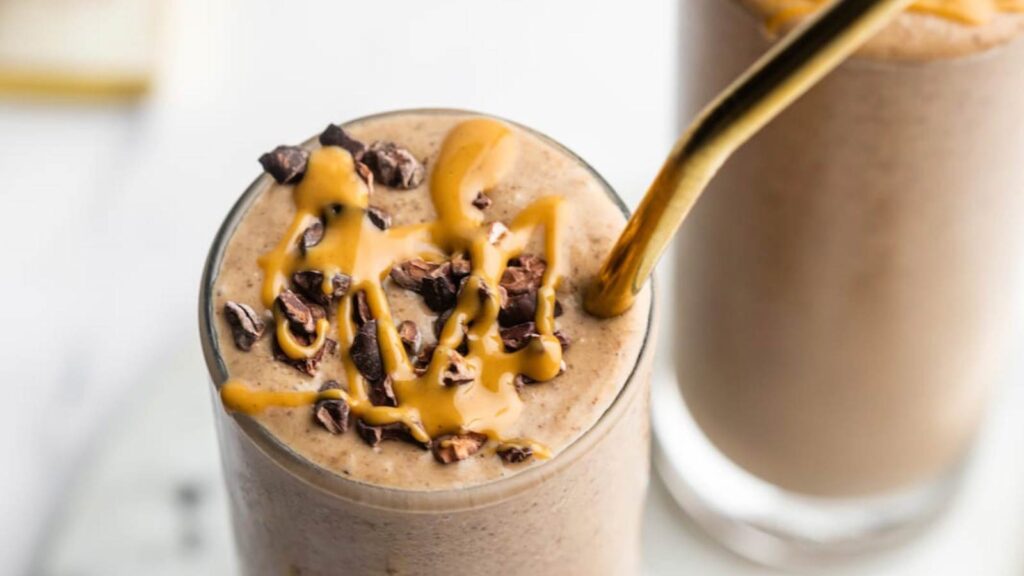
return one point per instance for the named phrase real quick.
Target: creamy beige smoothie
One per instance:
(848, 284)
(407, 381)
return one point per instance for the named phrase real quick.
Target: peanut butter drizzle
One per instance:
(973, 12)
(475, 156)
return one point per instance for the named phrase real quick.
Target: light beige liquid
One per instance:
(394, 509)
(847, 286)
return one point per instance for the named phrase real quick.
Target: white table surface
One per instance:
(107, 211)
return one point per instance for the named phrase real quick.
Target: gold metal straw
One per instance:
(765, 89)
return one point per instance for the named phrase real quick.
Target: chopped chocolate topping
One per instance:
(563, 339)
(299, 313)
(330, 413)
(410, 274)
(517, 280)
(410, 335)
(366, 174)
(310, 283)
(311, 236)
(361, 309)
(246, 325)
(382, 394)
(287, 164)
(365, 353)
(379, 217)
(308, 366)
(437, 288)
(515, 454)
(335, 135)
(518, 336)
(461, 267)
(457, 372)
(521, 381)
(423, 359)
(374, 435)
(524, 274)
(440, 321)
(456, 447)
(522, 308)
(531, 262)
(496, 232)
(482, 201)
(518, 309)
(394, 166)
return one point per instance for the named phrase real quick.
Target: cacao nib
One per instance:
(335, 135)
(287, 164)
(393, 166)
(515, 454)
(246, 325)
(365, 353)
(332, 414)
(411, 338)
(456, 447)
(311, 236)
(379, 217)
(482, 201)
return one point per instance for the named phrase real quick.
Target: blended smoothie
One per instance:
(398, 309)
(848, 286)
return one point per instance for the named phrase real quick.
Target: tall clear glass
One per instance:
(578, 513)
(846, 291)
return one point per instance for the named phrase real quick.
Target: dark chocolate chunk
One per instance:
(410, 274)
(457, 371)
(515, 454)
(440, 321)
(518, 336)
(335, 135)
(437, 288)
(365, 352)
(382, 393)
(423, 359)
(518, 309)
(287, 164)
(521, 381)
(482, 201)
(298, 312)
(379, 217)
(411, 339)
(311, 236)
(532, 263)
(563, 339)
(523, 274)
(374, 435)
(308, 366)
(246, 325)
(310, 283)
(330, 413)
(393, 166)
(361, 313)
(456, 447)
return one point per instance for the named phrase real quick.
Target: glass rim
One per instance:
(902, 63)
(367, 494)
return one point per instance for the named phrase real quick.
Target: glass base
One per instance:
(765, 523)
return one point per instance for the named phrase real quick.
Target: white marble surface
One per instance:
(109, 462)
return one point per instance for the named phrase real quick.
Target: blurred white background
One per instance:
(107, 211)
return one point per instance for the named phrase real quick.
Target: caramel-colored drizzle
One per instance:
(973, 12)
(475, 156)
